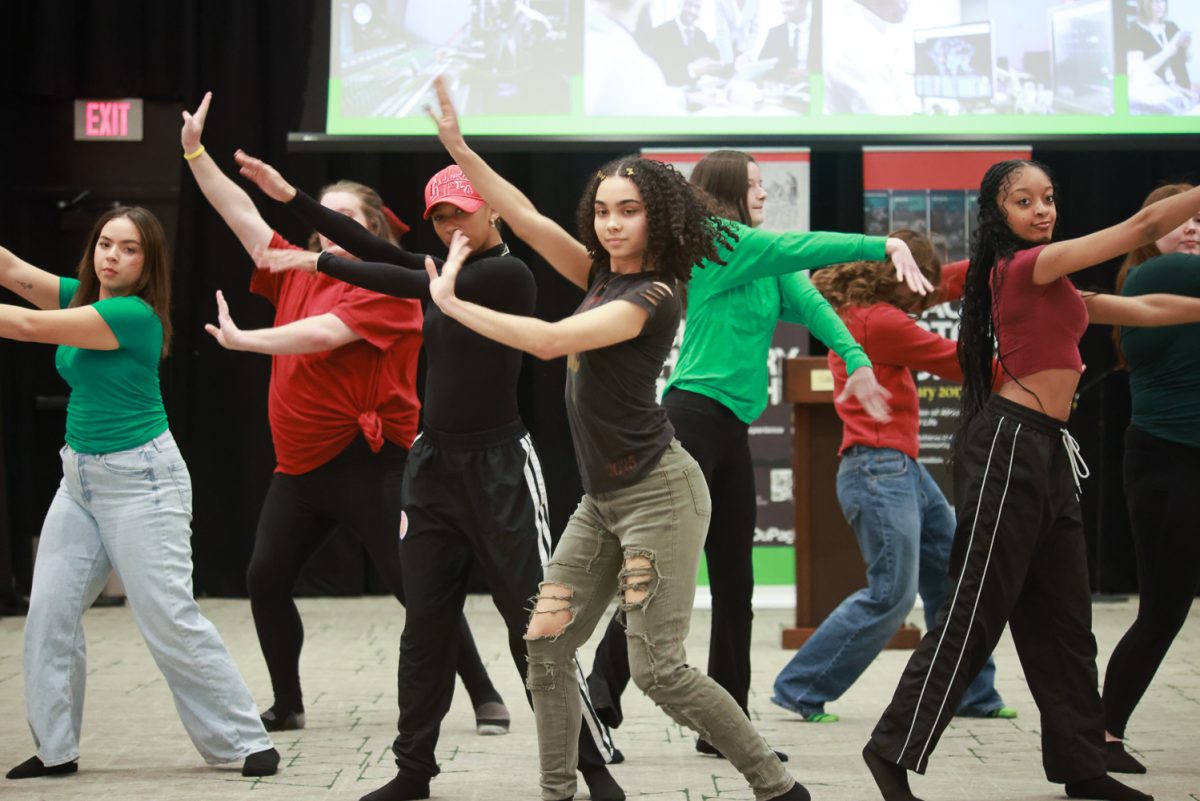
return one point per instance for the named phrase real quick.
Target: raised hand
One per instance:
(908, 272)
(225, 331)
(264, 176)
(441, 287)
(870, 393)
(279, 260)
(445, 116)
(193, 125)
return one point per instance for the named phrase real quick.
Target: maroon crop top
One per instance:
(1038, 326)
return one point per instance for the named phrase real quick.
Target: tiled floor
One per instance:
(134, 747)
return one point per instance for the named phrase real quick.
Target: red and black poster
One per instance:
(932, 190)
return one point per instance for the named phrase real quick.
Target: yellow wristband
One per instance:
(195, 154)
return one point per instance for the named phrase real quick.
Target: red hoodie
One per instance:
(896, 346)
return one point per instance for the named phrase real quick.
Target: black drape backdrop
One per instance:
(255, 56)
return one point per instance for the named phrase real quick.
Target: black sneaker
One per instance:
(274, 720)
(707, 748)
(33, 768)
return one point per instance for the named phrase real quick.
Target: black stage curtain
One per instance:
(256, 55)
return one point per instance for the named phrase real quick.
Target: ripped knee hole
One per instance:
(553, 611)
(637, 579)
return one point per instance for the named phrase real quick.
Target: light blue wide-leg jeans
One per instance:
(130, 511)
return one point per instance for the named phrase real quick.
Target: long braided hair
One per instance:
(993, 243)
(682, 231)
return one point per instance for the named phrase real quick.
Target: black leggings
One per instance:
(360, 490)
(720, 442)
(1161, 478)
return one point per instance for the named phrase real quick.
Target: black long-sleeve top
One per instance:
(470, 380)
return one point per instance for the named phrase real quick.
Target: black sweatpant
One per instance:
(469, 497)
(1161, 479)
(360, 490)
(1018, 556)
(720, 442)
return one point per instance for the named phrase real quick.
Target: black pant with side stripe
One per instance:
(469, 497)
(1019, 556)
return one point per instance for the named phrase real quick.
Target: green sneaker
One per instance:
(1003, 713)
(823, 717)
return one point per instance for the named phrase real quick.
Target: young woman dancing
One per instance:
(1019, 554)
(1162, 471)
(343, 411)
(900, 517)
(125, 502)
(473, 489)
(640, 526)
(718, 388)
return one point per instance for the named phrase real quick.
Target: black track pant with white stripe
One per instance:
(469, 498)
(1019, 556)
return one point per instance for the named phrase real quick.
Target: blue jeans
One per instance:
(905, 529)
(130, 511)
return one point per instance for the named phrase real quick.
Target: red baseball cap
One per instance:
(451, 186)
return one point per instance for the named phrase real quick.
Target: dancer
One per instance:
(1019, 552)
(473, 489)
(718, 388)
(900, 517)
(125, 502)
(343, 412)
(641, 524)
(1162, 465)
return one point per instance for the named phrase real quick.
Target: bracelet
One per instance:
(195, 154)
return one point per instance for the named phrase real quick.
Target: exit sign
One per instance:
(108, 120)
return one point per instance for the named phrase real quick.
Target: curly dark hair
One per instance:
(993, 243)
(863, 283)
(682, 232)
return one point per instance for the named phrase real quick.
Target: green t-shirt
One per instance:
(1164, 362)
(116, 402)
(732, 310)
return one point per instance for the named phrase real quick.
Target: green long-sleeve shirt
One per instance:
(732, 310)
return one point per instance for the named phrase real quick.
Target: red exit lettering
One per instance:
(106, 119)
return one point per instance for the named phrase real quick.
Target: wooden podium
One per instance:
(828, 564)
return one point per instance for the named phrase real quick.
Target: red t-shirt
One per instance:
(1038, 326)
(319, 402)
(896, 346)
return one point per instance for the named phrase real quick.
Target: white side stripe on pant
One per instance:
(537, 489)
(983, 577)
(958, 587)
(600, 733)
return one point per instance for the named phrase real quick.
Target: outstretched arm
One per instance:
(561, 250)
(345, 231)
(81, 327)
(1151, 223)
(600, 327)
(803, 304)
(230, 200)
(1147, 311)
(385, 278)
(310, 335)
(32, 284)
(760, 253)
